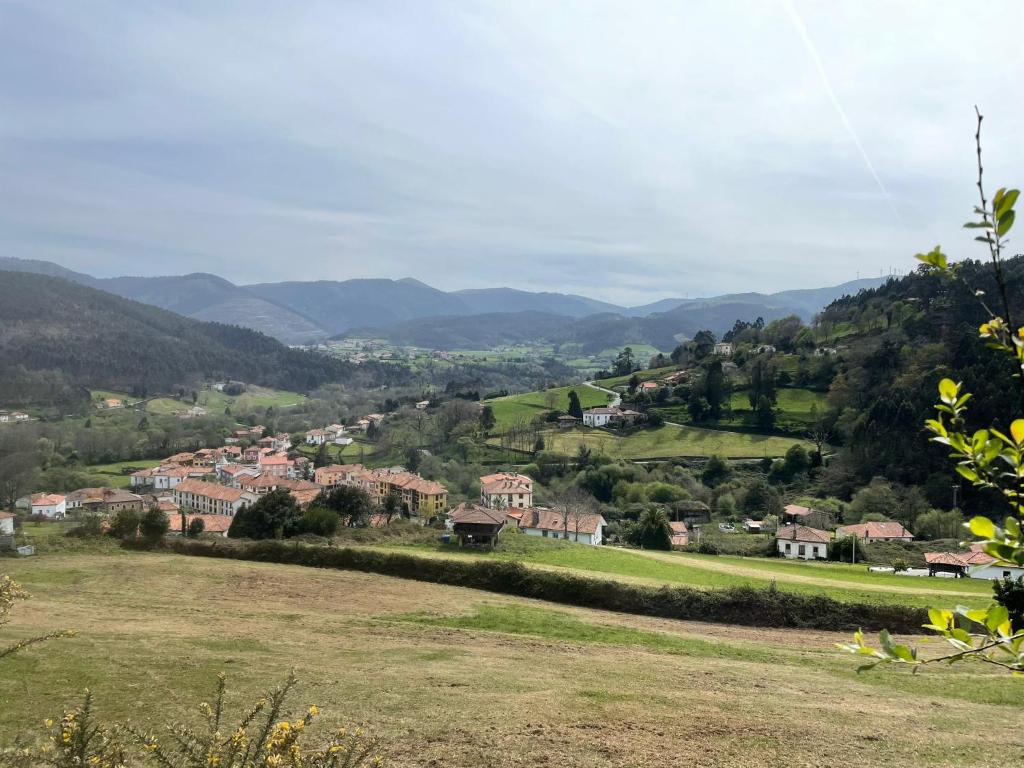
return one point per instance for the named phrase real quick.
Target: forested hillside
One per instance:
(897, 342)
(57, 336)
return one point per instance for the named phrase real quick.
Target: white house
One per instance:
(585, 529)
(601, 417)
(316, 437)
(798, 542)
(6, 524)
(165, 478)
(52, 505)
(422, 405)
(506, 489)
(723, 348)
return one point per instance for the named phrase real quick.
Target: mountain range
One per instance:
(409, 311)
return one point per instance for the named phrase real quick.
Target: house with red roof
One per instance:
(506, 489)
(872, 532)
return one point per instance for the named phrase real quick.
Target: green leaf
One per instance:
(982, 527)
(1006, 202)
(977, 225)
(948, 390)
(934, 257)
(997, 616)
(967, 473)
(1005, 223)
(1012, 526)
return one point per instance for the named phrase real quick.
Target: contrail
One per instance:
(798, 22)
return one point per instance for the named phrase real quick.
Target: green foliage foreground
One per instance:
(987, 458)
(749, 606)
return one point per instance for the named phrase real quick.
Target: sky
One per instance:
(628, 151)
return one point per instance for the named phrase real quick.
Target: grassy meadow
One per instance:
(118, 473)
(508, 410)
(437, 671)
(667, 441)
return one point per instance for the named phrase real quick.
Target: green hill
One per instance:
(67, 336)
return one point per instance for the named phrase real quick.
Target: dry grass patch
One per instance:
(529, 684)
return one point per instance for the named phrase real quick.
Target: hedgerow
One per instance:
(749, 606)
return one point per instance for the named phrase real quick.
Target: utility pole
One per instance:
(956, 490)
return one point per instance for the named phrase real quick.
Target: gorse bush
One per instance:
(263, 736)
(737, 605)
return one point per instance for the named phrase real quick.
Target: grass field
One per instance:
(620, 381)
(842, 582)
(117, 475)
(454, 677)
(668, 441)
(507, 410)
(253, 398)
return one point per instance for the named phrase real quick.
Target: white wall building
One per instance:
(798, 542)
(600, 417)
(506, 489)
(586, 529)
(51, 505)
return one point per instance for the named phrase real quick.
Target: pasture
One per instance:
(448, 676)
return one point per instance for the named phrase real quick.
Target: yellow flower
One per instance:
(66, 736)
(315, 710)
(48, 723)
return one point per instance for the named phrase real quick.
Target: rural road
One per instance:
(616, 397)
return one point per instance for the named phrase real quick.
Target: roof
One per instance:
(211, 523)
(887, 530)
(476, 514)
(45, 499)
(210, 490)
(796, 510)
(602, 410)
(543, 519)
(803, 533)
(959, 559)
(506, 482)
(277, 458)
(6, 515)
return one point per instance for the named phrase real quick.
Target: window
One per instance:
(802, 550)
(544, 534)
(788, 547)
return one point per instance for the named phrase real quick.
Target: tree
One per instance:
(624, 362)
(716, 388)
(273, 516)
(703, 344)
(939, 524)
(352, 504)
(153, 525)
(575, 408)
(322, 459)
(765, 413)
(196, 526)
(762, 381)
(634, 382)
(878, 497)
(715, 471)
(125, 524)
(319, 521)
(573, 505)
(990, 458)
(487, 420)
(412, 459)
(391, 506)
(652, 530)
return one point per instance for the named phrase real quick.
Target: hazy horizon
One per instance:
(621, 152)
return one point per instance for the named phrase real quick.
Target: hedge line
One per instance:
(736, 605)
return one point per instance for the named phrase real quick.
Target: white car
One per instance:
(727, 527)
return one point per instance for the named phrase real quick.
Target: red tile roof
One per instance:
(803, 533)
(797, 511)
(506, 482)
(210, 490)
(886, 530)
(548, 519)
(474, 513)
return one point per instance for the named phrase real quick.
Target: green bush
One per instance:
(736, 605)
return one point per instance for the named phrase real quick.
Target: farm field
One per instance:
(836, 580)
(647, 375)
(435, 671)
(667, 441)
(117, 474)
(508, 410)
(216, 402)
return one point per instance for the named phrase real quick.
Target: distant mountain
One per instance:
(97, 339)
(337, 306)
(301, 312)
(504, 300)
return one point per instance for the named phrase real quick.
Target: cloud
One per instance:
(626, 151)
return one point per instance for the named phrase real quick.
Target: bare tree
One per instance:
(573, 505)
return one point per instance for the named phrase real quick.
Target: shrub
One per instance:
(154, 525)
(264, 734)
(195, 527)
(90, 526)
(736, 605)
(319, 521)
(272, 516)
(125, 524)
(1009, 593)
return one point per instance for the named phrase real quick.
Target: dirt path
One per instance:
(796, 578)
(616, 400)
